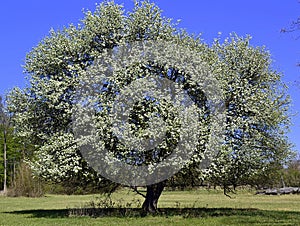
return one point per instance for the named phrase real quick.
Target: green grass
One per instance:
(199, 207)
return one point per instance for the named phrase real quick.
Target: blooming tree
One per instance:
(223, 108)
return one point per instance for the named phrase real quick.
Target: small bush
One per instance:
(105, 206)
(25, 184)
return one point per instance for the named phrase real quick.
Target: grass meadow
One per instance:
(197, 207)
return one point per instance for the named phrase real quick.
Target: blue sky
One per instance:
(25, 23)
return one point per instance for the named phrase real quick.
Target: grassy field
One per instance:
(199, 207)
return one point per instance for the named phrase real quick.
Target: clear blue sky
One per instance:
(25, 23)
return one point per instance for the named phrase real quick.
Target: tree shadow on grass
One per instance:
(163, 212)
(43, 213)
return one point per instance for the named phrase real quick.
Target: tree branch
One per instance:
(139, 193)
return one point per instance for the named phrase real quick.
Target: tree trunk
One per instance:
(282, 181)
(153, 193)
(5, 162)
